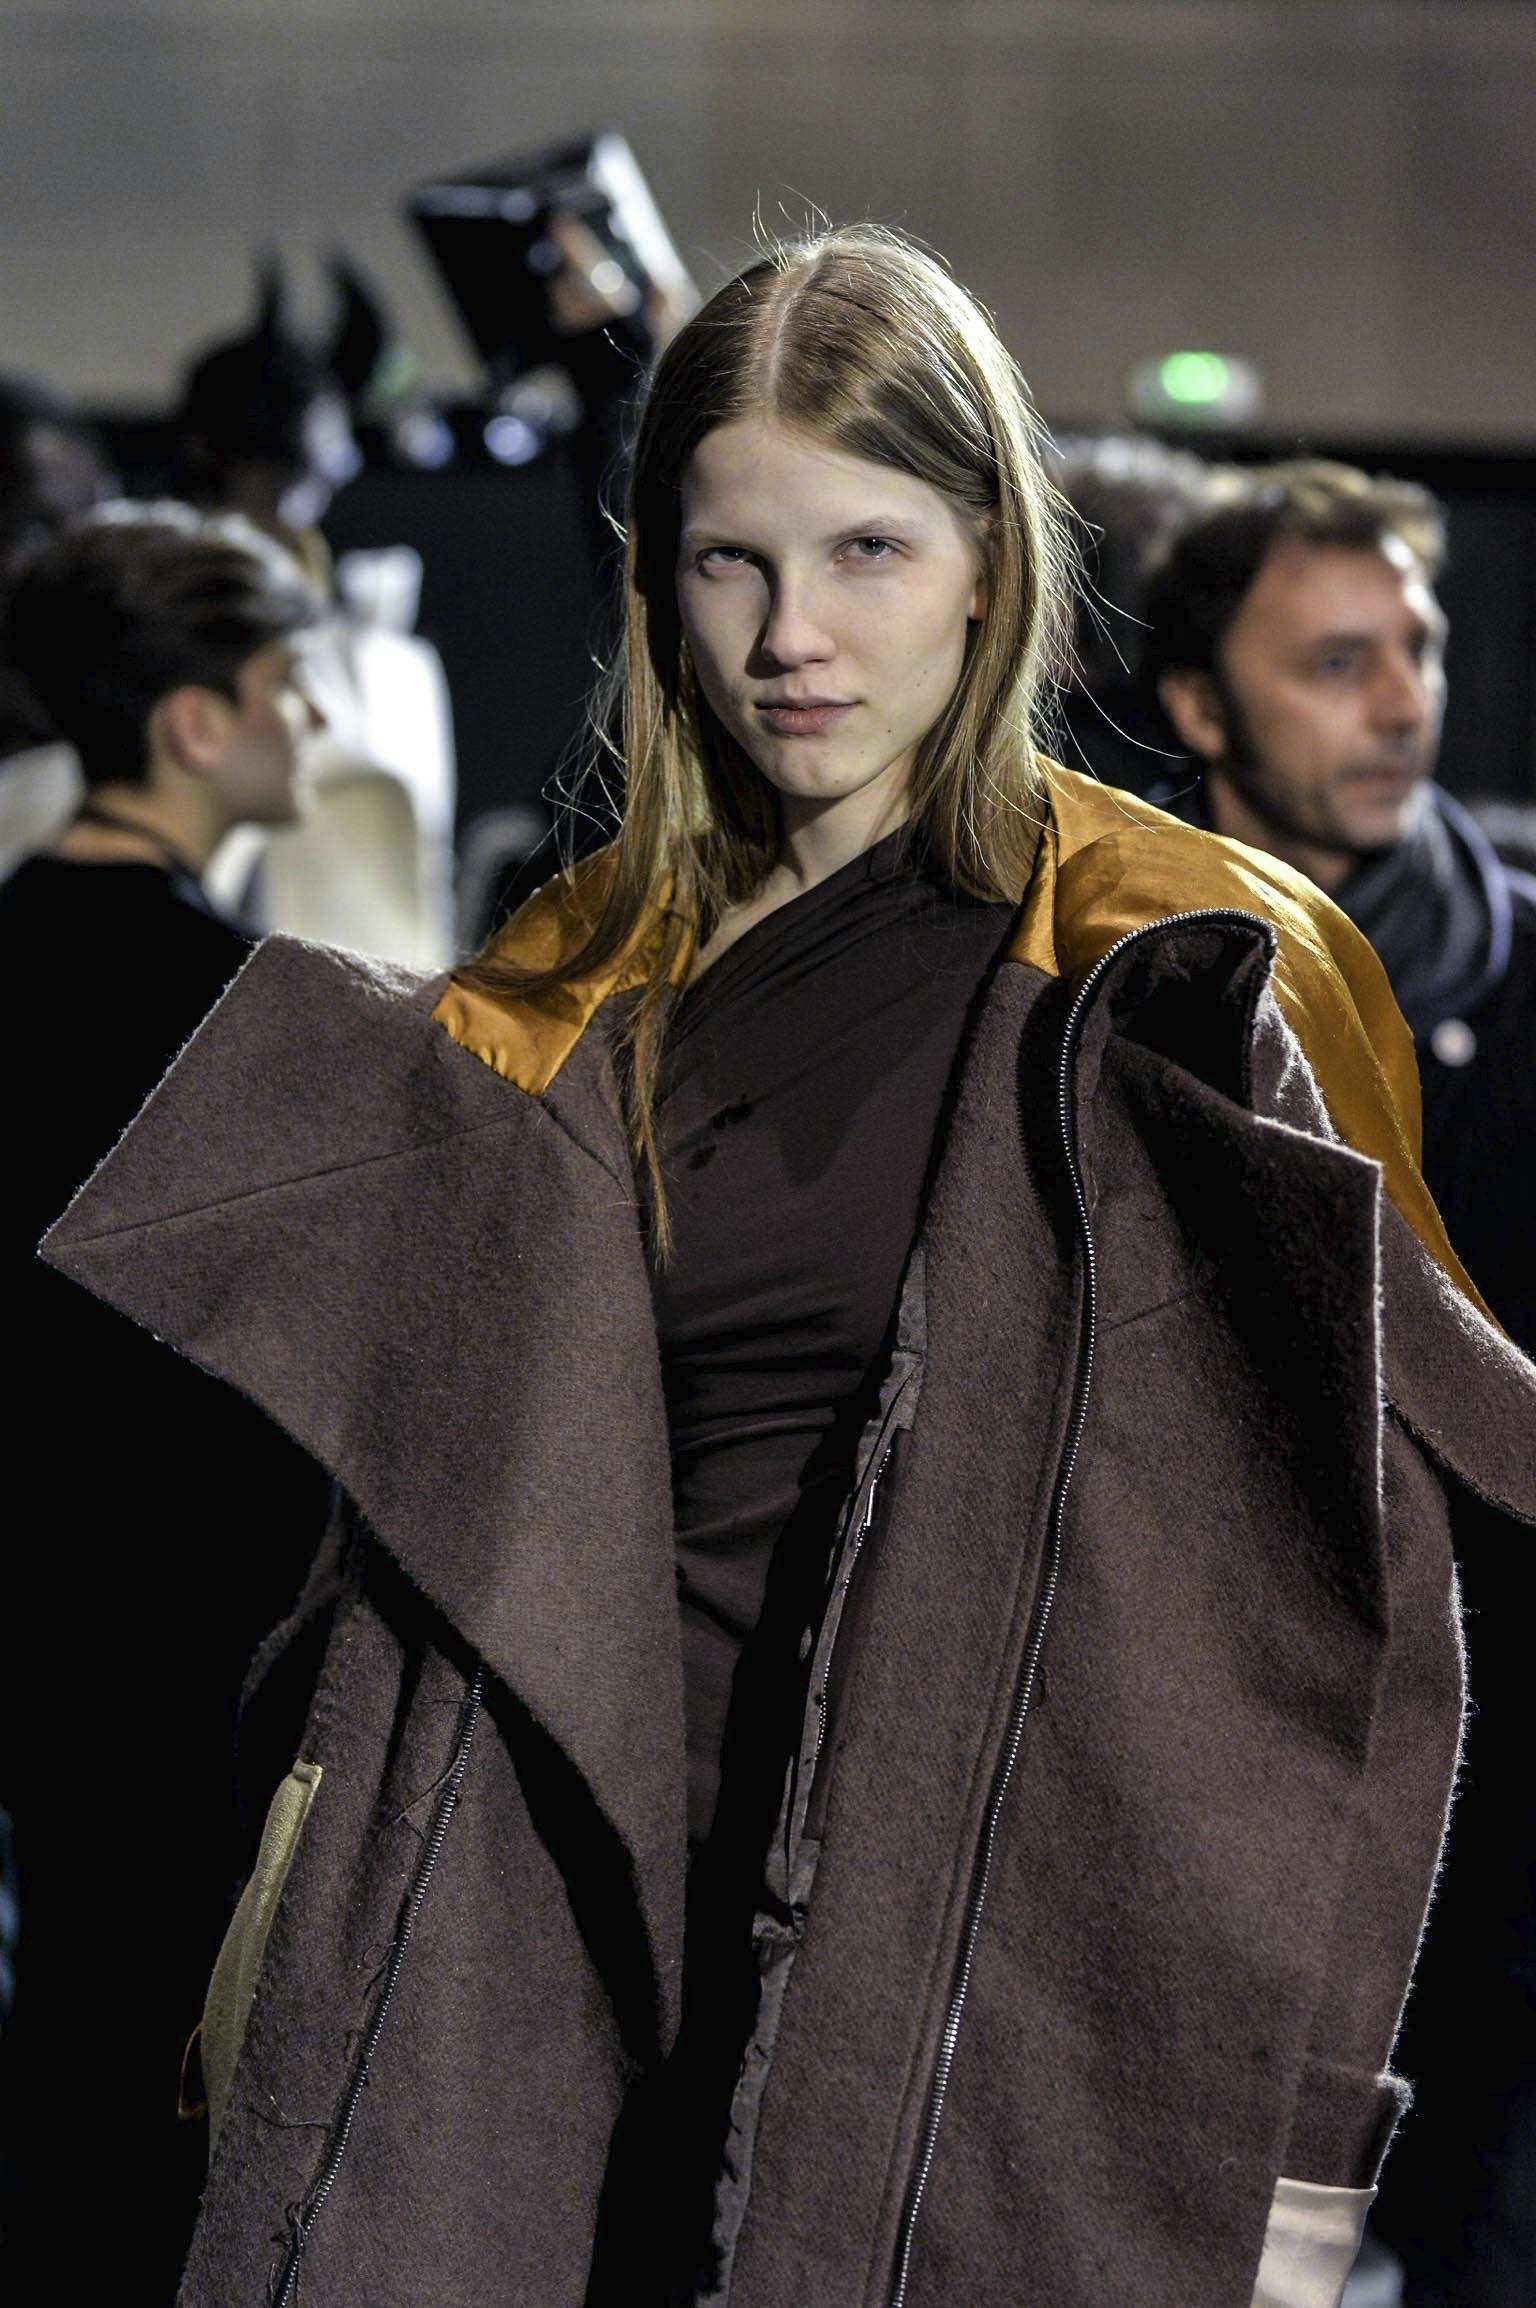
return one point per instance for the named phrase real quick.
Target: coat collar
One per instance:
(1207, 1065)
(1108, 865)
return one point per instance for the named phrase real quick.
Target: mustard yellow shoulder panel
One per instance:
(1109, 864)
(527, 1038)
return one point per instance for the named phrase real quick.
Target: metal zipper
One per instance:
(1087, 1347)
(309, 2212)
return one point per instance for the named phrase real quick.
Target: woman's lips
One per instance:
(807, 720)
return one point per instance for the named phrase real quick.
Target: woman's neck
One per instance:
(819, 838)
(816, 845)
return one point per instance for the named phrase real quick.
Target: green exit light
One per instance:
(1209, 391)
(1194, 378)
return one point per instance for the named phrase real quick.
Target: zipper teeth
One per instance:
(310, 2213)
(982, 1875)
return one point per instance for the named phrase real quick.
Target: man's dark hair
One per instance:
(1197, 587)
(137, 600)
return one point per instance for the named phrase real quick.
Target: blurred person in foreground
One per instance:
(174, 1521)
(1297, 647)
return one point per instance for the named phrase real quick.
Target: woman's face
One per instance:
(825, 600)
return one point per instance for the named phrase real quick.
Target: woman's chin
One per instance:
(807, 779)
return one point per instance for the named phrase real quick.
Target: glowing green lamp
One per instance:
(1195, 388)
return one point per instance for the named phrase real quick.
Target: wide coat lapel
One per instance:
(1177, 1029)
(439, 1289)
(1202, 995)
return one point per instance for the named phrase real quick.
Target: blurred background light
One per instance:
(1195, 388)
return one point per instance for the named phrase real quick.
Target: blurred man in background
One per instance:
(264, 429)
(52, 469)
(161, 647)
(172, 1524)
(1297, 647)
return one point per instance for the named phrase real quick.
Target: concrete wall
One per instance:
(1339, 189)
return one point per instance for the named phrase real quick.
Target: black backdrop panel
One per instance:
(509, 598)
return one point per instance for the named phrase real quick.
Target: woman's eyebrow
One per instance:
(879, 525)
(897, 525)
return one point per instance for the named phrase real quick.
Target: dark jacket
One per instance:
(1477, 1053)
(1123, 1783)
(164, 1570)
(1456, 929)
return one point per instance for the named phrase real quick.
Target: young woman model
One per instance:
(875, 1721)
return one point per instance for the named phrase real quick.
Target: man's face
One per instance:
(1330, 697)
(262, 735)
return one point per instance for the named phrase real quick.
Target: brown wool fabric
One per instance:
(1218, 1843)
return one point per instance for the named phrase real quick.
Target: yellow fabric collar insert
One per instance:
(527, 1038)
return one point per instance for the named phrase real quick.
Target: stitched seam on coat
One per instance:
(328, 1170)
(538, 1098)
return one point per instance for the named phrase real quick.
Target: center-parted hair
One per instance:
(866, 344)
(134, 601)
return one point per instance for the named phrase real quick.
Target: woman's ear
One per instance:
(981, 591)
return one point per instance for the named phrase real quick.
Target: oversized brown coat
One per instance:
(1135, 1776)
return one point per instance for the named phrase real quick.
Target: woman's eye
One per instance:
(870, 548)
(724, 557)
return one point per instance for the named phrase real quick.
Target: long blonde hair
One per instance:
(866, 343)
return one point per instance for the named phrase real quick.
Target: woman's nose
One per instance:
(795, 632)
